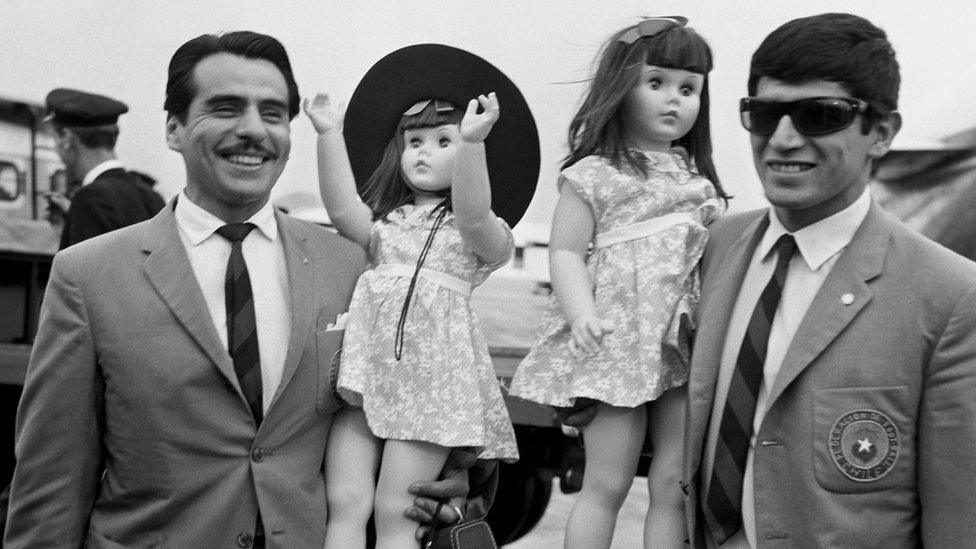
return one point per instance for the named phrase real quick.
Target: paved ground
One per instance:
(548, 534)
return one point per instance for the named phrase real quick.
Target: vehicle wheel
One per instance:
(520, 502)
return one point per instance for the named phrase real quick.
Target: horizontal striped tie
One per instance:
(242, 332)
(723, 503)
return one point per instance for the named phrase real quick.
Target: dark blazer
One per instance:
(898, 361)
(115, 199)
(133, 431)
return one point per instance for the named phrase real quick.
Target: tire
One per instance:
(520, 501)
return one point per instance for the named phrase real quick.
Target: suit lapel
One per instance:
(829, 315)
(168, 269)
(720, 289)
(302, 267)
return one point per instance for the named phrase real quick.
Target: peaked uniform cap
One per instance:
(70, 107)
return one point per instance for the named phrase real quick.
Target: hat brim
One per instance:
(429, 71)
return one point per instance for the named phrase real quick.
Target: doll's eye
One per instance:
(444, 142)
(687, 90)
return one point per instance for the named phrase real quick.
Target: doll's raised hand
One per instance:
(474, 126)
(324, 116)
(587, 334)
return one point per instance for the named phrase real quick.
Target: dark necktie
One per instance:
(242, 333)
(723, 504)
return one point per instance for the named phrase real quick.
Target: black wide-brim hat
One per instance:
(435, 71)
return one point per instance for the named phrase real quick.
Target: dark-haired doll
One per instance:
(636, 193)
(415, 366)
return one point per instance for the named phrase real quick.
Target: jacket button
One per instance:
(245, 539)
(257, 454)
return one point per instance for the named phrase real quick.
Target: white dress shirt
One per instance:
(99, 170)
(818, 247)
(265, 259)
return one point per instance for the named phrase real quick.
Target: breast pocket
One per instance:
(329, 347)
(863, 438)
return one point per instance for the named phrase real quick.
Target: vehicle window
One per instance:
(11, 182)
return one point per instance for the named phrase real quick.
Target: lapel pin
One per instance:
(304, 261)
(847, 299)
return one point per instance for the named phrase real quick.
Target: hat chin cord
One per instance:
(401, 324)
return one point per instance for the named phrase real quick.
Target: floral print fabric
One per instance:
(443, 389)
(646, 287)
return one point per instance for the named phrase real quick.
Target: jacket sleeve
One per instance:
(947, 433)
(59, 424)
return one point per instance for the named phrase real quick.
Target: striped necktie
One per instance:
(242, 333)
(723, 502)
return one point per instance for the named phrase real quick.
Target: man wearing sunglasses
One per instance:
(832, 399)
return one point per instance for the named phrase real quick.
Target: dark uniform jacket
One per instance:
(115, 199)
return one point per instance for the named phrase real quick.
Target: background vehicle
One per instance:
(28, 164)
(931, 186)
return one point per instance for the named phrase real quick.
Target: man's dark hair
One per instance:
(837, 47)
(93, 137)
(251, 45)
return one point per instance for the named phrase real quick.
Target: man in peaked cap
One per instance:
(110, 198)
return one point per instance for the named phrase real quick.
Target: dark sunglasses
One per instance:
(652, 26)
(810, 116)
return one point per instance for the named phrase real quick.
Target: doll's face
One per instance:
(428, 157)
(662, 107)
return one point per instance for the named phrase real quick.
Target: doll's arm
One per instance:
(572, 230)
(337, 185)
(471, 190)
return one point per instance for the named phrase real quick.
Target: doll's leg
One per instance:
(404, 462)
(613, 443)
(352, 454)
(665, 524)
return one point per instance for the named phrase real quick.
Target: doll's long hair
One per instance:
(598, 126)
(387, 189)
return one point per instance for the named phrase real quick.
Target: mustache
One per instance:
(245, 146)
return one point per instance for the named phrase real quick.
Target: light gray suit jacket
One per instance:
(895, 366)
(132, 430)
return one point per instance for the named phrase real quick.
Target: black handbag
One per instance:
(467, 534)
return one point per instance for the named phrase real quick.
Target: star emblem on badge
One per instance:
(864, 445)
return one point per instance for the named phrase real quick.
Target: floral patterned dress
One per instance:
(646, 286)
(443, 389)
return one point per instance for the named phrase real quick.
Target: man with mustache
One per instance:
(180, 390)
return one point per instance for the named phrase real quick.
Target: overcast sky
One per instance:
(121, 48)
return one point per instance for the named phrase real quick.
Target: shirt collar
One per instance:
(820, 241)
(199, 224)
(99, 170)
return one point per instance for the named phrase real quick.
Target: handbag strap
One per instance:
(435, 525)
